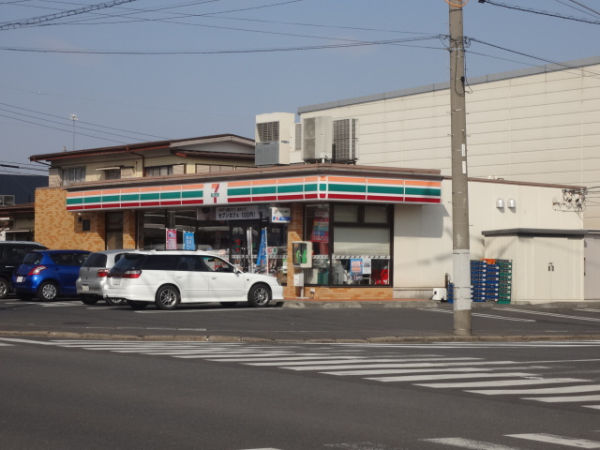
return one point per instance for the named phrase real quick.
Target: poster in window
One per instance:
(320, 230)
(171, 239)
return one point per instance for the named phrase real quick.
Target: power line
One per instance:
(80, 121)
(584, 6)
(540, 12)
(60, 15)
(516, 52)
(59, 129)
(218, 52)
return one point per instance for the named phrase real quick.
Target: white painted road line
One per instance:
(592, 406)
(441, 369)
(566, 399)
(556, 440)
(491, 384)
(449, 376)
(561, 316)
(328, 367)
(469, 444)
(365, 359)
(485, 316)
(540, 391)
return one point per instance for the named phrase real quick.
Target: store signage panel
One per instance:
(281, 215)
(249, 212)
(256, 191)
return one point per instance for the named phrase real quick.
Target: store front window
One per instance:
(235, 233)
(351, 244)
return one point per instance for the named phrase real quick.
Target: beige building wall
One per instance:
(545, 269)
(542, 127)
(423, 233)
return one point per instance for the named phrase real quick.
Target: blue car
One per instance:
(48, 274)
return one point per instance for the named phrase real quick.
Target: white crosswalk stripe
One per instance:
(450, 376)
(592, 406)
(540, 391)
(469, 444)
(474, 375)
(497, 383)
(557, 440)
(566, 399)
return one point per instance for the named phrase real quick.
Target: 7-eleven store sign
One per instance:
(215, 193)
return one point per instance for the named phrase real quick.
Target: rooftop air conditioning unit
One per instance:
(274, 137)
(345, 141)
(317, 138)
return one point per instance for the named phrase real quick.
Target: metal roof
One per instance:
(144, 146)
(575, 64)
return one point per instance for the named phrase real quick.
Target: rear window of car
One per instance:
(32, 258)
(95, 260)
(128, 261)
(69, 259)
(14, 254)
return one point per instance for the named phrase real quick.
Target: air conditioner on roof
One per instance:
(317, 138)
(275, 138)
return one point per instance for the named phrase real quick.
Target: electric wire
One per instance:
(216, 52)
(540, 12)
(59, 15)
(79, 121)
(583, 5)
(80, 127)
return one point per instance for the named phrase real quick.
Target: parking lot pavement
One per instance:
(345, 321)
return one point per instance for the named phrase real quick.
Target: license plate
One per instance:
(20, 279)
(85, 288)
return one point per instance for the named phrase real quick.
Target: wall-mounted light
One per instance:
(512, 203)
(500, 203)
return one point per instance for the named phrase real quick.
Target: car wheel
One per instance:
(116, 301)
(137, 305)
(48, 291)
(89, 299)
(167, 297)
(4, 288)
(259, 295)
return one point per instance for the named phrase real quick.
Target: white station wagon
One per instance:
(168, 278)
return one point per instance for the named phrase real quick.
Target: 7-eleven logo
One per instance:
(217, 194)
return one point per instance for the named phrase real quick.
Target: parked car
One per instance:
(93, 274)
(168, 278)
(11, 256)
(48, 274)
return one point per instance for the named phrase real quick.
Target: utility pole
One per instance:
(74, 118)
(460, 196)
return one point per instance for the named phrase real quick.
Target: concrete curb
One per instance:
(251, 339)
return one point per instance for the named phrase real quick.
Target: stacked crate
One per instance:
(505, 281)
(491, 281)
(485, 278)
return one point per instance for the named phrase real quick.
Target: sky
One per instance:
(74, 76)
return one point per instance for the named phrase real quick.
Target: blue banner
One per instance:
(261, 259)
(188, 240)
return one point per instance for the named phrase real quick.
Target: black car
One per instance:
(11, 256)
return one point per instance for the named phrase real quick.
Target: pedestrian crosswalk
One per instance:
(540, 438)
(525, 380)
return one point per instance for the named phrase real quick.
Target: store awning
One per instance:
(309, 188)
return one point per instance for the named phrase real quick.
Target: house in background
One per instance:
(17, 193)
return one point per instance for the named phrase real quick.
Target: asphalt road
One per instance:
(73, 394)
(369, 322)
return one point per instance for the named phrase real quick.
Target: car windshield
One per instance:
(95, 260)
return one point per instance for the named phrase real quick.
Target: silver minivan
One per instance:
(91, 284)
